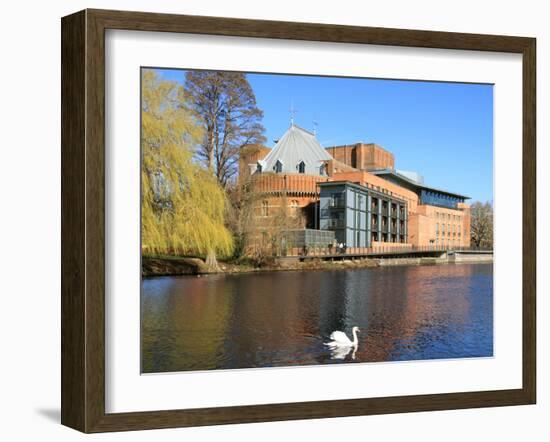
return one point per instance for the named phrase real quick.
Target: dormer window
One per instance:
(259, 168)
(278, 166)
(301, 167)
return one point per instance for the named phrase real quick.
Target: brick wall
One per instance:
(453, 226)
(290, 183)
(249, 155)
(363, 156)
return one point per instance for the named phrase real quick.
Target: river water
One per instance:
(283, 318)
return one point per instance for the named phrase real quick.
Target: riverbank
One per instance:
(196, 266)
(173, 266)
(473, 259)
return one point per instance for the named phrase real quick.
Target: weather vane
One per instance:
(292, 111)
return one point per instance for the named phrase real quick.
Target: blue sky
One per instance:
(443, 131)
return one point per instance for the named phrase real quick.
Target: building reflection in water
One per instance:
(283, 318)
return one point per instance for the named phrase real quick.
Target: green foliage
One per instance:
(183, 206)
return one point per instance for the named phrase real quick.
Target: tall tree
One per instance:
(226, 106)
(481, 224)
(183, 205)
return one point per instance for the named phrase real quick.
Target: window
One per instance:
(437, 228)
(265, 210)
(278, 166)
(301, 167)
(361, 202)
(322, 169)
(259, 168)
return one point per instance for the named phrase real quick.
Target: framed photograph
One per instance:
(269, 221)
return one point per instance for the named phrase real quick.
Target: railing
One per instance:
(336, 223)
(395, 248)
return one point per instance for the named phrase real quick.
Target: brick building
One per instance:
(354, 191)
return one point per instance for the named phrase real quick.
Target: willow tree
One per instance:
(183, 205)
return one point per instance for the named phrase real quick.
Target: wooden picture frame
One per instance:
(83, 220)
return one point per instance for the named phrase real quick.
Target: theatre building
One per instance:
(353, 191)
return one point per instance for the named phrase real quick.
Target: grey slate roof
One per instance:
(295, 146)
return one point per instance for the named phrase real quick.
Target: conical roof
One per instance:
(295, 146)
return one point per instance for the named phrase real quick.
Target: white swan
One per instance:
(340, 339)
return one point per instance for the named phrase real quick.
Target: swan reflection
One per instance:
(340, 353)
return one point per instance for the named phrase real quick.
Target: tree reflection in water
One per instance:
(283, 318)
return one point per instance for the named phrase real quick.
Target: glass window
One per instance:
(278, 167)
(302, 167)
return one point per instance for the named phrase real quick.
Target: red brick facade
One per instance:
(363, 156)
(427, 225)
